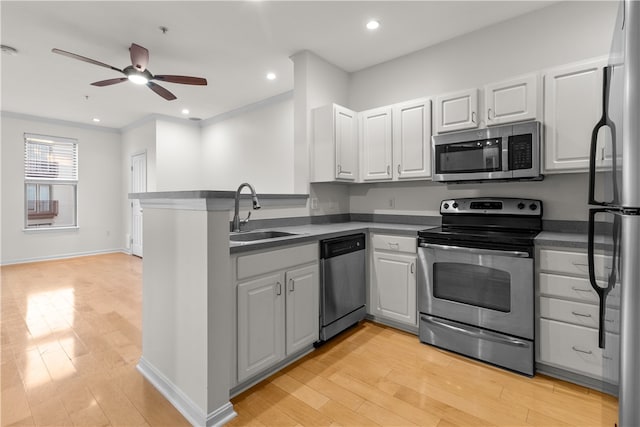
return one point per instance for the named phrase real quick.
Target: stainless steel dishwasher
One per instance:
(342, 284)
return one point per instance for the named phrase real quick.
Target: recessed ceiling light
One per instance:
(95, 119)
(271, 76)
(185, 111)
(373, 25)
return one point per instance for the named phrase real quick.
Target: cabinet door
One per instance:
(511, 101)
(260, 324)
(395, 285)
(303, 317)
(457, 111)
(412, 139)
(572, 107)
(375, 132)
(346, 144)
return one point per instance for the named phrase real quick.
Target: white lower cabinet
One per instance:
(568, 317)
(277, 312)
(393, 278)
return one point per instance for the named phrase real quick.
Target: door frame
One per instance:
(131, 205)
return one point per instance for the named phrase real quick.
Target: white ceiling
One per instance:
(233, 44)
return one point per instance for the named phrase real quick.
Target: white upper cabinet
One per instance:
(375, 144)
(572, 107)
(412, 139)
(513, 100)
(335, 144)
(457, 111)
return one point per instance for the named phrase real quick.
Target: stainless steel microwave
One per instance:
(496, 153)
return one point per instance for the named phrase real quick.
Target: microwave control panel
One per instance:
(520, 152)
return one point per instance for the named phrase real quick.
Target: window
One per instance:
(50, 181)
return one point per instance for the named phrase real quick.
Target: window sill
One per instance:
(50, 229)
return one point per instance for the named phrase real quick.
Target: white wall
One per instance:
(562, 33)
(177, 156)
(99, 193)
(254, 147)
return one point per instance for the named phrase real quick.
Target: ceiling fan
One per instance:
(137, 72)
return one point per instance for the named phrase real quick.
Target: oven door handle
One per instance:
(477, 251)
(477, 333)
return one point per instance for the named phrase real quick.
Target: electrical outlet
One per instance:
(314, 203)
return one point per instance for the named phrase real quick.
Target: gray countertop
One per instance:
(315, 232)
(571, 240)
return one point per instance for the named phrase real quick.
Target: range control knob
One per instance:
(520, 205)
(533, 206)
(446, 206)
(454, 205)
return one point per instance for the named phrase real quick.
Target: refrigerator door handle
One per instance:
(604, 121)
(602, 291)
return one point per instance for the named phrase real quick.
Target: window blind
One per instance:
(50, 158)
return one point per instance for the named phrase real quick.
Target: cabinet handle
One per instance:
(394, 245)
(473, 117)
(278, 288)
(602, 154)
(574, 348)
(489, 114)
(388, 169)
(577, 289)
(292, 286)
(412, 268)
(575, 313)
(399, 171)
(339, 169)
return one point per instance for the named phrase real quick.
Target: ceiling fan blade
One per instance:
(185, 80)
(139, 57)
(161, 91)
(84, 58)
(109, 82)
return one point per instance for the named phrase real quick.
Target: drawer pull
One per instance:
(579, 264)
(574, 348)
(575, 313)
(607, 357)
(577, 289)
(394, 245)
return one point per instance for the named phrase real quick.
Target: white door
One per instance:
(302, 309)
(412, 139)
(512, 101)
(260, 324)
(395, 282)
(346, 144)
(376, 148)
(457, 111)
(572, 107)
(138, 185)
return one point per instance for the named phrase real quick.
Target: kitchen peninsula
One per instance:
(186, 315)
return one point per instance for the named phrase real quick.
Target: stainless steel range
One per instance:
(476, 280)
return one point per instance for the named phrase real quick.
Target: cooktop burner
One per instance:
(487, 222)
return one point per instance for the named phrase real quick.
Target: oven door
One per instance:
(488, 288)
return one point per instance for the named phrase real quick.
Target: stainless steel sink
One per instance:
(251, 236)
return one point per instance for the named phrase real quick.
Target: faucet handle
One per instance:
(246, 220)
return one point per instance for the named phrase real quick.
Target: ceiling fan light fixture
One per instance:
(138, 79)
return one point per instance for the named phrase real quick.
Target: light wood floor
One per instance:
(71, 338)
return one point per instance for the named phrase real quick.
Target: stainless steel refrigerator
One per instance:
(614, 225)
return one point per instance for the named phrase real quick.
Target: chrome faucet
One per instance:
(237, 222)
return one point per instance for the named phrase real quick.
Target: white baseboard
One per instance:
(64, 256)
(192, 412)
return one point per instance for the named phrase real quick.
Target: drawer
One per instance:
(274, 260)
(575, 288)
(578, 313)
(575, 263)
(575, 348)
(394, 243)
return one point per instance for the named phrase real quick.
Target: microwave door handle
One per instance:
(476, 251)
